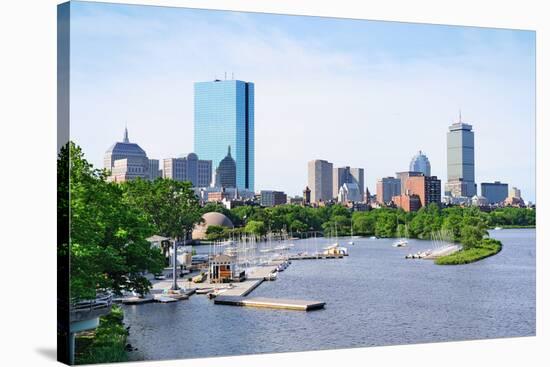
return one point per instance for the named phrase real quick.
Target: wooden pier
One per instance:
(261, 302)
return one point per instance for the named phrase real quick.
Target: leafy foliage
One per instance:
(107, 246)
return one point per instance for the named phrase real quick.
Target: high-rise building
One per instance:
(495, 192)
(428, 189)
(127, 169)
(154, 171)
(272, 198)
(136, 157)
(420, 163)
(342, 175)
(189, 168)
(224, 116)
(226, 172)
(460, 160)
(386, 189)
(319, 177)
(403, 177)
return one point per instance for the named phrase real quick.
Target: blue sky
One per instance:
(361, 93)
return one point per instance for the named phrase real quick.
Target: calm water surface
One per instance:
(374, 297)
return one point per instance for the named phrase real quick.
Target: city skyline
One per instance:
(360, 94)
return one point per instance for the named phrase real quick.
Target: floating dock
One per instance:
(315, 257)
(283, 304)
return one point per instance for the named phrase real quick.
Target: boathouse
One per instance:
(223, 269)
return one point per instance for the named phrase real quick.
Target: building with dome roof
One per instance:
(210, 219)
(126, 161)
(226, 173)
(420, 163)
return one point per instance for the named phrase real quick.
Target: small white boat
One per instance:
(498, 228)
(351, 243)
(400, 243)
(372, 237)
(204, 290)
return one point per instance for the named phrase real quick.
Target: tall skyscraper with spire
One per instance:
(126, 160)
(224, 116)
(460, 160)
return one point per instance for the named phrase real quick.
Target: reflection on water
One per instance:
(374, 297)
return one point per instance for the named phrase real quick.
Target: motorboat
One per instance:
(400, 243)
(498, 228)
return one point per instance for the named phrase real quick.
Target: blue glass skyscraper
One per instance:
(224, 117)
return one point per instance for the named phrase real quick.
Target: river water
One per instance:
(373, 297)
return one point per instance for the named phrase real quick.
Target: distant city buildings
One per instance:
(343, 175)
(224, 116)
(272, 198)
(386, 189)
(421, 163)
(126, 161)
(306, 196)
(226, 173)
(514, 198)
(189, 168)
(460, 161)
(320, 180)
(495, 192)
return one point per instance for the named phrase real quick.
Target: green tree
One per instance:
(256, 228)
(170, 205)
(108, 245)
(471, 236)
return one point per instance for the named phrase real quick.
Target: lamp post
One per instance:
(174, 266)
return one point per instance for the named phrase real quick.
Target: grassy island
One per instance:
(487, 247)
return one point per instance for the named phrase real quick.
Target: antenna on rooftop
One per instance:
(232, 76)
(225, 75)
(460, 115)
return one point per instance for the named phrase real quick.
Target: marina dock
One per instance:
(261, 302)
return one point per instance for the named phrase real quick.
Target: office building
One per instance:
(224, 116)
(460, 160)
(386, 189)
(403, 176)
(154, 171)
(495, 192)
(342, 175)
(189, 168)
(320, 180)
(407, 202)
(420, 163)
(427, 188)
(136, 164)
(272, 198)
(129, 169)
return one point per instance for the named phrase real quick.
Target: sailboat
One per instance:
(351, 225)
(402, 242)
